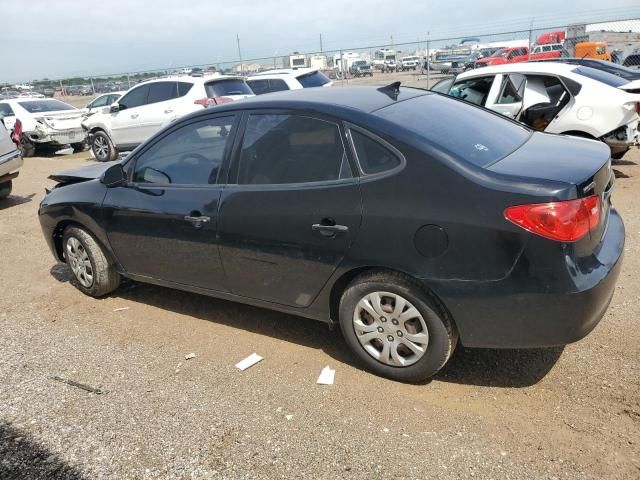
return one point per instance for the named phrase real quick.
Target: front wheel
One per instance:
(103, 148)
(395, 328)
(95, 275)
(5, 189)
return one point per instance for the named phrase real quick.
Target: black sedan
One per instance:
(414, 220)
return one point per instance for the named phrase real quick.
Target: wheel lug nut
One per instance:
(380, 329)
(394, 321)
(383, 319)
(390, 338)
(399, 333)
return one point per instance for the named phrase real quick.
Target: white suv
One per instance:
(287, 79)
(146, 108)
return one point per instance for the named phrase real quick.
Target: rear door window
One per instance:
(162, 91)
(511, 89)
(285, 149)
(227, 87)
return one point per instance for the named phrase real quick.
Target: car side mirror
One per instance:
(114, 176)
(115, 108)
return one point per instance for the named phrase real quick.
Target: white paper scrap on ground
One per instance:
(189, 356)
(120, 309)
(250, 361)
(327, 375)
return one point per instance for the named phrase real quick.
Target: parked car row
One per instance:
(556, 98)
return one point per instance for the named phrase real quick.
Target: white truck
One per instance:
(411, 62)
(384, 59)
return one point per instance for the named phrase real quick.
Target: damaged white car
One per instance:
(45, 122)
(558, 98)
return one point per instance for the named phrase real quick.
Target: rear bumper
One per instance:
(56, 137)
(521, 312)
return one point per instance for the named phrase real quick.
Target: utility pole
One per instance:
(321, 51)
(239, 53)
(530, 39)
(428, 58)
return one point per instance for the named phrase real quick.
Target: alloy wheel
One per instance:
(78, 260)
(390, 329)
(100, 148)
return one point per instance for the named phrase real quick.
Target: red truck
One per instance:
(505, 55)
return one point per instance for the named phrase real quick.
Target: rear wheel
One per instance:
(5, 189)
(94, 274)
(395, 328)
(103, 148)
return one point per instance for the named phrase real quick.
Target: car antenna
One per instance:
(392, 90)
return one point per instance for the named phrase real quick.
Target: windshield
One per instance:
(601, 76)
(45, 106)
(359, 63)
(459, 129)
(223, 88)
(500, 52)
(313, 79)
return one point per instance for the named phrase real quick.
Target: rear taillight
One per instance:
(16, 133)
(566, 221)
(207, 102)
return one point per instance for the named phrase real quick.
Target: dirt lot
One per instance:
(559, 413)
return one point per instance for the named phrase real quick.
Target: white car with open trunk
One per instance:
(557, 98)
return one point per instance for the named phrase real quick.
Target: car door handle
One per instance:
(197, 221)
(328, 230)
(168, 110)
(135, 115)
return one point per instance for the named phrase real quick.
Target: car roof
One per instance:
(522, 67)
(296, 72)
(338, 100)
(190, 79)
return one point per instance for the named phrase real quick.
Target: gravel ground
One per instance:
(534, 414)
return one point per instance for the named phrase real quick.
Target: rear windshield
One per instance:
(601, 76)
(223, 88)
(313, 79)
(45, 106)
(465, 131)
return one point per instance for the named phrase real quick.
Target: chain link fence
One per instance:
(424, 60)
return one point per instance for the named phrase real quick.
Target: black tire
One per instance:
(103, 150)
(79, 147)
(5, 189)
(618, 155)
(105, 278)
(27, 149)
(443, 336)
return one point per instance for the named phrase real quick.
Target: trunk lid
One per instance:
(582, 163)
(63, 120)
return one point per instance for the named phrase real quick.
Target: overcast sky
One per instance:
(47, 38)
